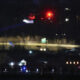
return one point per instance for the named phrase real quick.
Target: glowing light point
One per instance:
(31, 17)
(74, 62)
(11, 44)
(44, 49)
(49, 14)
(67, 62)
(70, 62)
(45, 62)
(23, 68)
(20, 64)
(11, 64)
(30, 52)
(41, 49)
(77, 62)
(27, 71)
(67, 9)
(37, 70)
(56, 34)
(28, 21)
(52, 70)
(66, 19)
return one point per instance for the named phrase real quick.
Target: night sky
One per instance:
(13, 11)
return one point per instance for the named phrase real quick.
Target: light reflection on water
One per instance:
(38, 46)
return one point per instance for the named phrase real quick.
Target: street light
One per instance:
(67, 9)
(70, 62)
(12, 64)
(45, 62)
(66, 19)
(74, 62)
(52, 70)
(44, 49)
(77, 62)
(37, 70)
(67, 62)
(30, 52)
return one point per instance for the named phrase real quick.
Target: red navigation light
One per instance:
(31, 17)
(50, 14)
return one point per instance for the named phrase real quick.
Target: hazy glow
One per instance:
(70, 62)
(31, 17)
(54, 45)
(66, 19)
(23, 61)
(30, 52)
(45, 62)
(44, 49)
(67, 9)
(41, 49)
(67, 62)
(20, 64)
(11, 64)
(37, 70)
(48, 45)
(43, 40)
(23, 68)
(77, 62)
(52, 70)
(74, 62)
(27, 71)
(49, 14)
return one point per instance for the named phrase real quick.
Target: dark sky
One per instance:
(13, 7)
(40, 2)
(11, 11)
